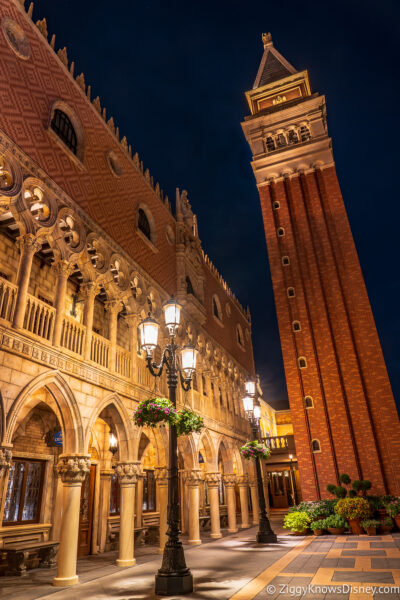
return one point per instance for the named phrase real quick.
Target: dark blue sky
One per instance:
(173, 74)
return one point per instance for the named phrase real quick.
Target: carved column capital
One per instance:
(113, 306)
(253, 482)
(89, 290)
(229, 479)
(73, 468)
(193, 477)
(63, 268)
(161, 475)
(132, 320)
(242, 480)
(212, 479)
(106, 473)
(5, 459)
(28, 243)
(128, 472)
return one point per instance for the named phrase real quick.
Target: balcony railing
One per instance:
(73, 335)
(8, 295)
(39, 318)
(100, 350)
(123, 362)
(281, 444)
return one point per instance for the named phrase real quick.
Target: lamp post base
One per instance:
(174, 584)
(265, 535)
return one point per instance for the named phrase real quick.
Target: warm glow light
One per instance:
(257, 411)
(250, 387)
(148, 331)
(188, 360)
(172, 315)
(248, 404)
(291, 456)
(113, 445)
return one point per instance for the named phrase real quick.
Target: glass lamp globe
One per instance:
(148, 331)
(113, 443)
(250, 386)
(257, 412)
(188, 360)
(248, 404)
(172, 315)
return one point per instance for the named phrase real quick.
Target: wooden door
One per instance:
(86, 513)
(278, 486)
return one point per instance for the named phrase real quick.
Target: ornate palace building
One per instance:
(342, 406)
(88, 245)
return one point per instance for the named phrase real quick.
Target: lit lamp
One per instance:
(250, 386)
(257, 412)
(113, 443)
(248, 405)
(172, 315)
(148, 331)
(188, 360)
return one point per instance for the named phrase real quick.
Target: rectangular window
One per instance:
(24, 492)
(115, 492)
(149, 491)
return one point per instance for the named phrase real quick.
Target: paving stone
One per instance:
(363, 576)
(387, 594)
(345, 545)
(363, 553)
(383, 545)
(385, 563)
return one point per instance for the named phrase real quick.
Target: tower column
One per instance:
(193, 479)
(127, 475)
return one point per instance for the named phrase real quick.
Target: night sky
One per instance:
(173, 74)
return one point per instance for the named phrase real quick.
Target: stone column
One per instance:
(72, 470)
(104, 506)
(63, 270)
(213, 482)
(161, 476)
(28, 245)
(139, 501)
(243, 483)
(58, 504)
(5, 464)
(254, 501)
(89, 291)
(229, 481)
(132, 324)
(114, 307)
(193, 479)
(127, 473)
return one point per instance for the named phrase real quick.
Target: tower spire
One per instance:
(273, 65)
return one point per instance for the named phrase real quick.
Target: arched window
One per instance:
(296, 326)
(280, 232)
(293, 138)
(290, 292)
(143, 224)
(302, 362)
(281, 140)
(62, 126)
(304, 133)
(189, 287)
(315, 446)
(270, 143)
(285, 261)
(216, 308)
(276, 205)
(239, 335)
(308, 401)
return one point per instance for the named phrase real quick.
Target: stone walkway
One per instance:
(236, 568)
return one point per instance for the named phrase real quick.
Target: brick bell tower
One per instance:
(344, 416)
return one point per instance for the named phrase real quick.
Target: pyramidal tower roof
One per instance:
(273, 65)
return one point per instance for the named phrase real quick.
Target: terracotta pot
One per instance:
(371, 530)
(397, 521)
(318, 532)
(336, 530)
(355, 526)
(304, 532)
(386, 528)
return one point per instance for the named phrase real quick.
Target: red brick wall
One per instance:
(354, 415)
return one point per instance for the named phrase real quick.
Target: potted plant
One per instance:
(318, 527)
(370, 525)
(188, 421)
(297, 522)
(153, 411)
(354, 510)
(387, 525)
(253, 450)
(335, 524)
(393, 510)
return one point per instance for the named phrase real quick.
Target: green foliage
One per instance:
(317, 524)
(344, 478)
(353, 508)
(393, 507)
(340, 491)
(254, 450)
(335, 521)
(369, 523)
(316, 509)
(188, 421)
(153, 411)
(352, 493)
(387, 522)
(331, 487)
(362, 486)
(296, 521)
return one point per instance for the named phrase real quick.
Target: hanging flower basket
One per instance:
(188, 421)
(153, 411)
(254, 450)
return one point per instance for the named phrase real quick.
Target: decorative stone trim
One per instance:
(212, 479)
(229, 479)
(28, 242)
(193, 477)
(128, 472)
(242, 480)
(73, 468)
(161, 475)
(5, 460)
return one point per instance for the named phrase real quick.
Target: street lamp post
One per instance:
(265, 535)
(292, 479)
(173, 577)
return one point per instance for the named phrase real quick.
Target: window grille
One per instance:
(62, 126)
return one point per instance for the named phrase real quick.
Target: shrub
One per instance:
(368, 523)
(387, 522)
(188, 421)
(296, 521)
(153, 411)
(317, 524)
(353, 508)
(344, 478)
(254, 450)
(315, 509)
(393, 507)
(352, 493)
(362, 486)
(335, 521)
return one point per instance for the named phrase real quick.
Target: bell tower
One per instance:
(344, 416)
